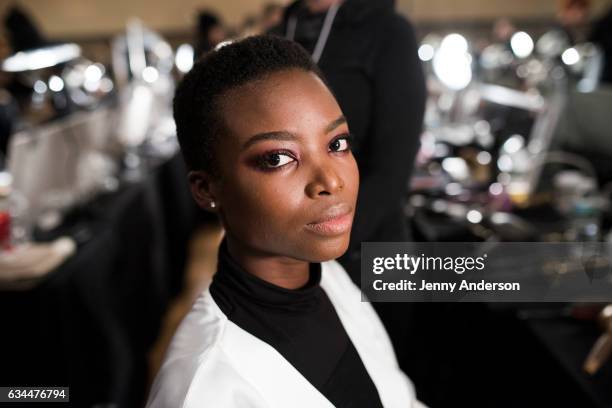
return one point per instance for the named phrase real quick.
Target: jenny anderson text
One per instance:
(426, 286)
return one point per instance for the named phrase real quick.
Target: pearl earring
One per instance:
(212, 204)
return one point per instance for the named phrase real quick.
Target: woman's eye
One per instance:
(276, 160)
(339, 145)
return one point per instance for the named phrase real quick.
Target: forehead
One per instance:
(294, 100)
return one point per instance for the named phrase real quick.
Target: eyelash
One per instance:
(262, 163)
(349, 142)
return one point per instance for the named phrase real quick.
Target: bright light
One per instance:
(453, 189)
(456, 167)
(426, 52)
(455, 41)
(514, 144)
(504, 163)
(184, 58)
(41, 58)
(496, 189)
(91, 86)
(40, 87)
(570, 56)
(474, 216)
(163, 50)
(150, 74)
(74, 78)
(6, 180)
(106, 85)
(482, 127)
(483, 158)
(452, 63)
(521, 44)
(56, 83)
(93, 73)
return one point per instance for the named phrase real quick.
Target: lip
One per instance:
(336, 220)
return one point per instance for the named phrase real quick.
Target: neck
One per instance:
(285, 272)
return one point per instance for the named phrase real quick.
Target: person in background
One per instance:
(22, 32)
(271, 16)
(503, 29)
(572, 17)
(601, 35)
(210, 32)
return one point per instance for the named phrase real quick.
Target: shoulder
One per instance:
(388, 24)
(390, 39)
(396, 29)
(196, 371)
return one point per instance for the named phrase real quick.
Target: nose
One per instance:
(325, 180)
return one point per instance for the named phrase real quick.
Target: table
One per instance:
(89, 323)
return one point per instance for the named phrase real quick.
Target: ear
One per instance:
(202, 186)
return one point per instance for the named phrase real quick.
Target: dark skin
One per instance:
(286, 182)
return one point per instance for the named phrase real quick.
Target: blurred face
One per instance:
(287, 183)
(317, 6)
(216, 35)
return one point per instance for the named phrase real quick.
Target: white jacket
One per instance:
(214, 363)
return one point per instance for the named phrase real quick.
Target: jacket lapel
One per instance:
(368, 336)
(271, 374)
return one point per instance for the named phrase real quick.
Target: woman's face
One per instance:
(287, 180)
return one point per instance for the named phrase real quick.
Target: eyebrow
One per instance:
(341, 120)
(280, 135)
(287, 136)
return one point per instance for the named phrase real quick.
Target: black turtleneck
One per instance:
(301, 324)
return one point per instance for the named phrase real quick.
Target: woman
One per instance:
(282, 324)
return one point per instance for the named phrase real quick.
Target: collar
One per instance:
(233, 282)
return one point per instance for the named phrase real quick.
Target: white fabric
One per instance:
(212, 362)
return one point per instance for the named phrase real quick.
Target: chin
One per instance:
(327, 249)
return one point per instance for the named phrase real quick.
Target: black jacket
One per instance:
(370, 62)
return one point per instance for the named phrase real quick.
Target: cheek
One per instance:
(263, 209)
(351, 178)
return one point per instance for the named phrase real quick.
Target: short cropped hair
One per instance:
(198, 96)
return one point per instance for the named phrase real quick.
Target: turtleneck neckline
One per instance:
(251, 288)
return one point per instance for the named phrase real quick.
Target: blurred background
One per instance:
(102, 250)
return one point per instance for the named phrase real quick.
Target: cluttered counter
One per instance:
(515, 151)
(95, 220)
(90, 320)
